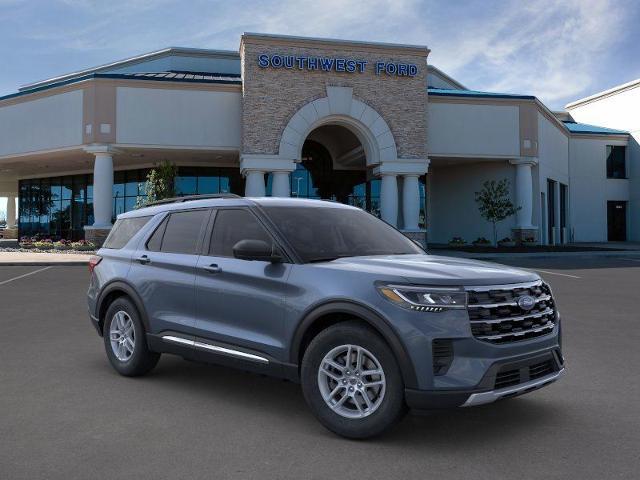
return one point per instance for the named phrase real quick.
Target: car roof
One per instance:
(233, 202)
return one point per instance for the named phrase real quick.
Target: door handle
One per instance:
(213, 268)
(143, 259)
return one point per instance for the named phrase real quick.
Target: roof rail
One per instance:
(188, 198)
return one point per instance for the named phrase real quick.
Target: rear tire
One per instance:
(351, 381)
(124, 340)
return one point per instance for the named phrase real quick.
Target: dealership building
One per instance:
(370, 124)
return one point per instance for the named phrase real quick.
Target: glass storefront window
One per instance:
(60, 207)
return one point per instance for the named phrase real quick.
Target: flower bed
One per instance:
(44, 245)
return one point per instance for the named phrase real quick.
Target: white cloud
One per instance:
(545, 48)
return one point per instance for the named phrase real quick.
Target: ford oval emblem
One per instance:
(526, 302)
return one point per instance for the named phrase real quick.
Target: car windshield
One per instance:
(325, 233)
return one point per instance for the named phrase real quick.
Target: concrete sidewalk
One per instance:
(635, 254)
(33, 258)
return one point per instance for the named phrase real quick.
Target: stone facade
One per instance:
(272, 95)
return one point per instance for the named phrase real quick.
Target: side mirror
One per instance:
(256, 250)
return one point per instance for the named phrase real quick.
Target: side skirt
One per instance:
(215, 353)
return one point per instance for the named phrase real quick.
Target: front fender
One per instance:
(373, 318)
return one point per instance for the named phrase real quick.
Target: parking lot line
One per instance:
(556, 273)
(25, 275)
(632, 259)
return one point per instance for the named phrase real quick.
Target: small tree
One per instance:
(160, 183)
(494, 203)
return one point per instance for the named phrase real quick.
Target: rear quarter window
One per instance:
(123, 231)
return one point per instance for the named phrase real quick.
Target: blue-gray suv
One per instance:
(326, 295)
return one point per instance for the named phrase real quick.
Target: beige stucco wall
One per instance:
(467, 129)
(271, 96)
(54, 121)
(178, 117)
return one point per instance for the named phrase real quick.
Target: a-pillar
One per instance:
(102, 193)
(524, 198)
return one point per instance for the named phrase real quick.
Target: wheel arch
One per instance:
(328, 314)
(114, 290)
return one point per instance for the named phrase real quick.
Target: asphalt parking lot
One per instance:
(66, 414)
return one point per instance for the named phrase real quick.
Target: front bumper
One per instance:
(526, 387)
(489, 390)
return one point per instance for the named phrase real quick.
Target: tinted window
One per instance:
(616, 167)
(325, 233)
(123, 231)
(230, 227)
(155, 242)
(182, 232)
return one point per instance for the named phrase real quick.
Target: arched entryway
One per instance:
(333, 166)
(338, 147)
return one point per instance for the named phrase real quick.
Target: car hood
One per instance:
(434, 270)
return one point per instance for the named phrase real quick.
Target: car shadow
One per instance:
(282, 401)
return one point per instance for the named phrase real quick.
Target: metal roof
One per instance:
(186, 77)
(135, 60)
(585, 128)
(445, 92)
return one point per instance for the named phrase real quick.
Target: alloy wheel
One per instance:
(351, 381)
(122, 336)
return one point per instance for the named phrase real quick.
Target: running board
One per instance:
(215, 348)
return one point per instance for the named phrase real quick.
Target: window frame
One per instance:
(165, 221)
(206, 244)
(625, 175)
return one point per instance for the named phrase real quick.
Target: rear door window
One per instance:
(123, 231)
(182, 232)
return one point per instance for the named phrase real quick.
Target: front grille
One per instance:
(496, 316)
(540, 370)
(509, 376)
(506, 379)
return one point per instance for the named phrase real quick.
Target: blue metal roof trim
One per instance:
(226, 79)
(475, 93)
(585, 128)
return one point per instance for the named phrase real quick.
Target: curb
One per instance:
(497, 256)
(74, 263)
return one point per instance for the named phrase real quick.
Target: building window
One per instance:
(616, 161)
(60, 207)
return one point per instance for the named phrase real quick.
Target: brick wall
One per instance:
(271, 96)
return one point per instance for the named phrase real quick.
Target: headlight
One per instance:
(424, 299)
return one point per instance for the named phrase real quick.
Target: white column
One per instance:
(410, 202)
(11, 212)
(280, 185)
(389, 198)
(524, 193)
(103, 188)
(254, 186)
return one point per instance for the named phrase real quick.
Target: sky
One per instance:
(557, 50)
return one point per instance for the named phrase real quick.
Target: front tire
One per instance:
(124, 340)
(352, 382)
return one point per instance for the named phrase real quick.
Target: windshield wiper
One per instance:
(327, 259)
